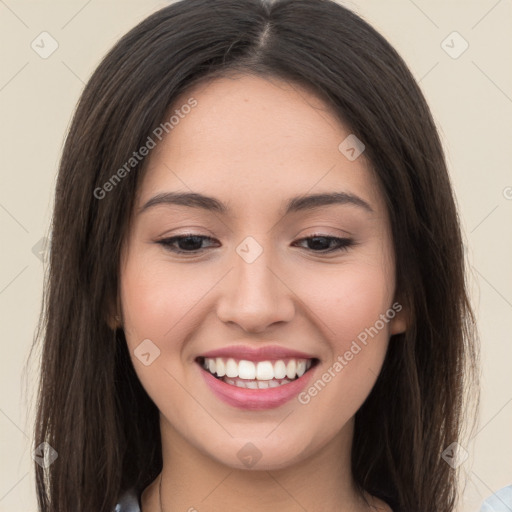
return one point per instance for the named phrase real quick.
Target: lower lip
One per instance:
(256, 399)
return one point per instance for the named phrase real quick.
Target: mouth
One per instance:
(256, 375)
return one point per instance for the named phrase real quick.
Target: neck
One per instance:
(192, 481)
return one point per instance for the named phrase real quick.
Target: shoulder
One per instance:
(128, 502)
(500, 501)
(378, 504)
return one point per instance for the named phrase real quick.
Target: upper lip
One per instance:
(246, 352)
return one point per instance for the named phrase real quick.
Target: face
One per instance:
(290, 303)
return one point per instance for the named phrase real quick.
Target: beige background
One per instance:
(471, 99)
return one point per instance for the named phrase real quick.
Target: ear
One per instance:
(401, 320)
(114, 320)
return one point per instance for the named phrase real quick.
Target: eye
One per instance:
(190, 243)
(319, 243)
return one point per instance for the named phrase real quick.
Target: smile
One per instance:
(256, 385)
(256, 375)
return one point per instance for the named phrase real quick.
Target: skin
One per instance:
(253, 143)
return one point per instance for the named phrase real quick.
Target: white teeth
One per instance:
(291, 369)
(279, 370)
(221, 368)
(253, 384)
(262, 371)
(246, 370)
(231, 368)
(301, 368)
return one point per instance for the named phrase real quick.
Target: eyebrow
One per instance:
(295, 204)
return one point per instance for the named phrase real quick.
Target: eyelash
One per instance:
(343, 243)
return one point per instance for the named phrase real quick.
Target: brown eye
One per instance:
(187, 244)
(327, 244)
(192, 244)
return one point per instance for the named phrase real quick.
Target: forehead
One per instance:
(250, 140)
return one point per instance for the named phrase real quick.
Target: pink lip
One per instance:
(267, 353)
(255, 399)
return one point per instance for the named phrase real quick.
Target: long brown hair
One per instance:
(92, 408)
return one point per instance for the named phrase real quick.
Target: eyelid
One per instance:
(322, 228)
(344, 243)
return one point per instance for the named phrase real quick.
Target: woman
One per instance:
(259, 299)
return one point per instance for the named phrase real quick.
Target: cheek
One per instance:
(349, 300)
(355, 308)
(141, 298)
(157, 305)
(155, 300)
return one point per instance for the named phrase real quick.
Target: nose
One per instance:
(255, 296)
